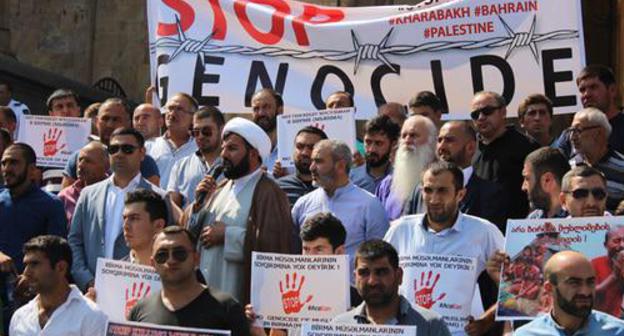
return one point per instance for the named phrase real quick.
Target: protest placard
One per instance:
(287, 290)
(443, 283)
(530, 243)
(338, 124)
(325, 329)
(54, 139)
(221, 52)
(148, 329)
(120, 284)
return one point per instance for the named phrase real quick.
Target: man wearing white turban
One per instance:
(247, 212)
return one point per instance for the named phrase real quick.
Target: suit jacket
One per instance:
(86, 234)
(483, 199)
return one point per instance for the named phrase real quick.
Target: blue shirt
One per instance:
(188, 172)
(360, 212)
(469, 237)
(165, 154)
(361, 178)
(597, 324)
(30, 215)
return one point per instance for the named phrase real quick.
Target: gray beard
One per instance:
(409, 166)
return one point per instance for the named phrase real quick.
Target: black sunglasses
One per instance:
(126, 149)
(580, 193)
(179, 254)
(486, 111)
(205, 131)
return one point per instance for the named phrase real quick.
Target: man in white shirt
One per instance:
(177, 142)
(59, 308)
(6, 99)
(96, 229)
(443, 229)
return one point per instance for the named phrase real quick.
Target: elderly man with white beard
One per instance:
(416, 151)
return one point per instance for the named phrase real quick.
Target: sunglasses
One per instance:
(179, 254)
(581, 193)
(205, 131)
(486, 111)
(126, 149)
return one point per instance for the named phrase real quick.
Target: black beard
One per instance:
(371, 162)
(570, 308)
(539, 199)
(266, 123)
(302, 168)
(234, 172)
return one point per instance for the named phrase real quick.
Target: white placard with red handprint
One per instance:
(120, 284)
(287, 290)
(442, 283)
(338, 124)
(54, 139)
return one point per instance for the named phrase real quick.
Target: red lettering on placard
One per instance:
(277, 20)
(311, 12)
(220, 25)
(187, 17)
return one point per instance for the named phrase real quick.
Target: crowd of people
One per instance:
(193, 193)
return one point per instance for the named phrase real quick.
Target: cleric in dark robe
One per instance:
(247, 212)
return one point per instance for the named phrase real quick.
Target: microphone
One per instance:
(202, 195)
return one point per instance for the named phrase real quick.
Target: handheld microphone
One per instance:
(215, 174)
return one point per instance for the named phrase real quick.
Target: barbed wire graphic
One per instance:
(367, 51)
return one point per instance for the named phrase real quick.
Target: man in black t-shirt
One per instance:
(183, 301)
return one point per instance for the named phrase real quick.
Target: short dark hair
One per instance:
(382, 124)
(603, 73)
(212, 112)
(8, 113)
(61, 93)
(532, 100)
(346, 94)
(279, 101)
(54, 247)
(153, 202)
(466, 126)
(324, 225)
(426, 98)
(313, 130)
(28, 152)
(375, 249)
(547, 159)
(438, 167)
(129, 131)
(176, 229)
(580, 171)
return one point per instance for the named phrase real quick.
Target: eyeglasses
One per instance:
(581, 193)
(179, 254)
(486, 111)
(205, 131)
(580, 130)
(126, 149)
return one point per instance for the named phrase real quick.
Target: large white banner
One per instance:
(442, 283)
(337, 124)
(320, 329)
(54, 139)
(287, 290)
(223, 51)
(119, 285)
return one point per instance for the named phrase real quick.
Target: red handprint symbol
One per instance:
(135, 295)
(50, 142)
(423, 295)
(290, 299)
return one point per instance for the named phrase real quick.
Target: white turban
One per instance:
(252, 133)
